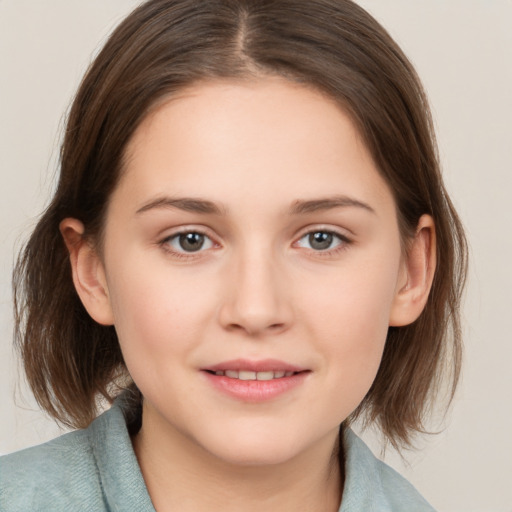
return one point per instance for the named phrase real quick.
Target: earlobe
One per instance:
(88, 272)
(417, 275)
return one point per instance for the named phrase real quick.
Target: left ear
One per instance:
(417, 274)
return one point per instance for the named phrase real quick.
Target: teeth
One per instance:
(250, 375)
(245, 375)
(265, 375)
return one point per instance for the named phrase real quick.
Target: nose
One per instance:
(256, 297)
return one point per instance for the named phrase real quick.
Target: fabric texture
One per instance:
(96, 470)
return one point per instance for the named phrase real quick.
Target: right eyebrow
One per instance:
(188, 204)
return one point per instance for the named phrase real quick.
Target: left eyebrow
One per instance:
(188, 204)
(314, 205)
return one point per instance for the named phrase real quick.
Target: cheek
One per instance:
(349, 319)
(158, 313)
(355, 301)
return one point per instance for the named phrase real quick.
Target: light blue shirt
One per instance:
(96, 470)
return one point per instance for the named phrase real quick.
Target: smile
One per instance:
(255, 381)
(251, 375)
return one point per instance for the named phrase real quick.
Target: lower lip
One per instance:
(255, 390)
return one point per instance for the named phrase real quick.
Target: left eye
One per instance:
(191, 241)
(320, 240)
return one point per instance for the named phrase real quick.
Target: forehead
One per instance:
(268, 138)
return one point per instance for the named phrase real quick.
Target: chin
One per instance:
(257, 446)
(255, 454)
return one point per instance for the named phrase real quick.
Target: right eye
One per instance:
(188, 242)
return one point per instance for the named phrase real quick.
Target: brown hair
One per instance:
(165, 45)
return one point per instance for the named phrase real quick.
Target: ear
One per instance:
(88, 272)
(417, 274)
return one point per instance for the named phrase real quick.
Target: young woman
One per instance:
(250, 247)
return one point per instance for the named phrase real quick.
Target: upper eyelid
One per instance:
(343, 233)
(168, 234)
(344, 240)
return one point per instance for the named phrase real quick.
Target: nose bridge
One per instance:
(256, 300)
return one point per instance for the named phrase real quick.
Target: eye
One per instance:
(321, 240)
(187, 242)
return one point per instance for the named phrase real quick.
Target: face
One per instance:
(251, 264)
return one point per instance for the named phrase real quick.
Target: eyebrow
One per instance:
(298, 207)
(188, 204)
(328, 203)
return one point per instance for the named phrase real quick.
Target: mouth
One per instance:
(255, 381)
(251, 375)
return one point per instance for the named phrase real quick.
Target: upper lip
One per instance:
(262, 365)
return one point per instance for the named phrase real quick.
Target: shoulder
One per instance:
(53, 476)
(373, 486)
(92, 469)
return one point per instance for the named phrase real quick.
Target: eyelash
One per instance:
(343, 243)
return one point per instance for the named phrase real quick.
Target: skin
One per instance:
(258, 288)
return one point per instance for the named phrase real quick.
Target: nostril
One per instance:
(252, 328)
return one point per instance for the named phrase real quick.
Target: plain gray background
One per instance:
(463, 51)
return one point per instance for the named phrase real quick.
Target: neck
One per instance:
(180, 475)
